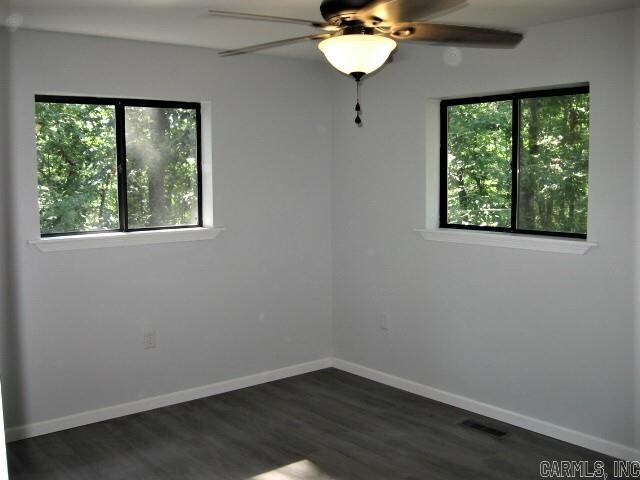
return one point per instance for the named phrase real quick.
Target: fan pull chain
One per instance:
(358, 109)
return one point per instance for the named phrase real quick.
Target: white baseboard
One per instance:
(107, 413)
(539, 426)
(535, 425)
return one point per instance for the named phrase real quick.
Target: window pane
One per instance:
(162, 169)
(479, 164)
(77, 167)
(554, 164)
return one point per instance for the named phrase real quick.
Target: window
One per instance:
(516, 163)
(117, 165)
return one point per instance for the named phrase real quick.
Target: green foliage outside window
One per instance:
(77, 176)
(554, 164)
(479, 173)
(553, 159)
(78, 167)
(162, 172)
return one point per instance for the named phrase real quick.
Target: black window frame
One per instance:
(119, 105)
(515, 98)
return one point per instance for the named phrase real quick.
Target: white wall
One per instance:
(546, 335)
(4, 211)
(257, 298)
(636, 135)
(9, 368)
(4, 238)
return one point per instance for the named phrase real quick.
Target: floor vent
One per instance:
(494, 432)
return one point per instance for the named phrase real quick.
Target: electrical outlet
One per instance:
(150, 339)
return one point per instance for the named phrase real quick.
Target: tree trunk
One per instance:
(569, 189)
(157, 194)
(526, 212)
(462, 193)
(572, 214)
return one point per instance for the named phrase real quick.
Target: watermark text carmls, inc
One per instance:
(584, 469)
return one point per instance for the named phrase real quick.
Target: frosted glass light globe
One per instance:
(357, 53)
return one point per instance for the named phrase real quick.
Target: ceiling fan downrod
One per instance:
(358, 77)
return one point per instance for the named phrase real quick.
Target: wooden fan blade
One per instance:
(270, 18)
(394, 11)
(278, 43)
(455, 35)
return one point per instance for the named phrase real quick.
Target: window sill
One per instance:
(120, 239)
(509, 240)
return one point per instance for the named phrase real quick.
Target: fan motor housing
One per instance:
(336, 11)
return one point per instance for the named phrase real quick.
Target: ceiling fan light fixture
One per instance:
(357, 53)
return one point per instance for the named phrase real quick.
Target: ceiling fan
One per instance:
(358, 36)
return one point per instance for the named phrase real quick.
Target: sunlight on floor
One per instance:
(302, 470)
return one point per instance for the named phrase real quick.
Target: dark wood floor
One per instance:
(326, 425)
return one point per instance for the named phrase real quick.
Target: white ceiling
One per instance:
(185, 22)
